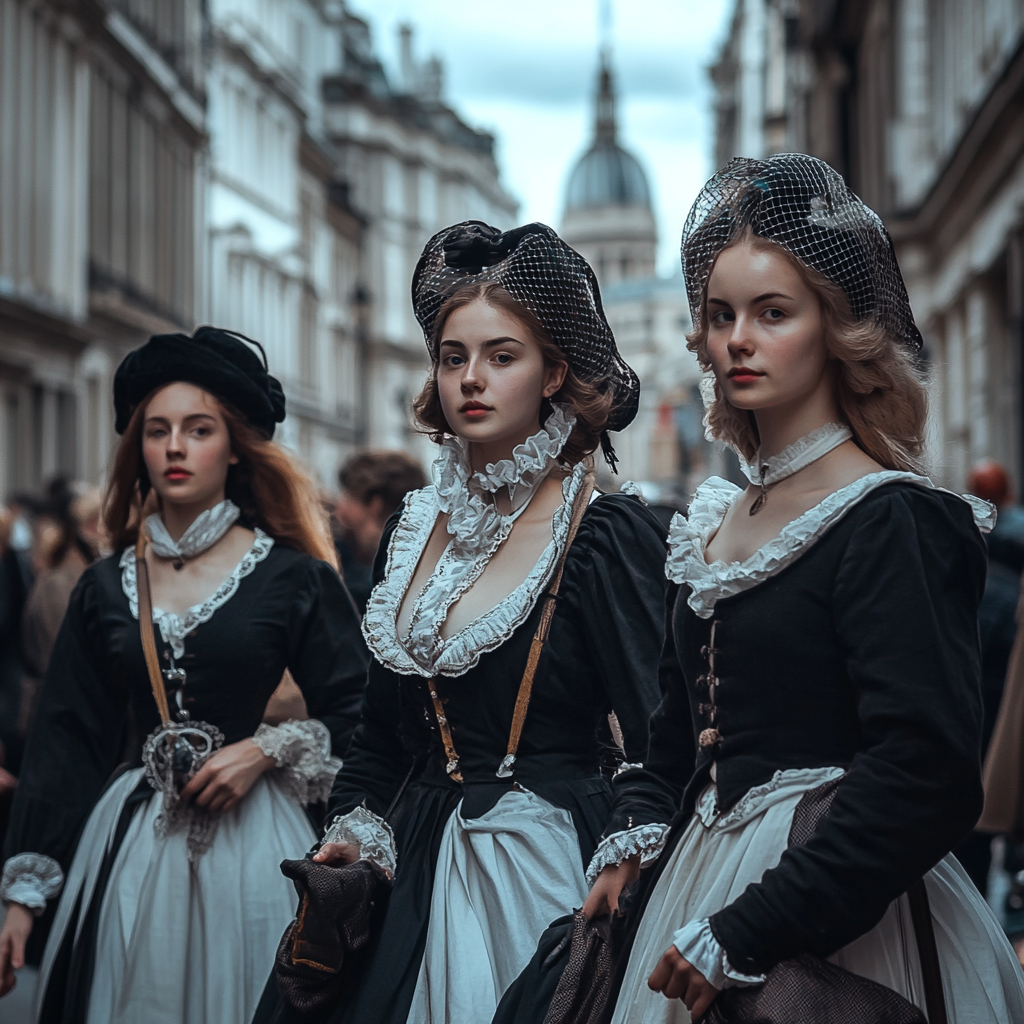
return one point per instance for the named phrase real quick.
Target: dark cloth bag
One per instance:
(333, 922)
(809, 990)
(583, 989)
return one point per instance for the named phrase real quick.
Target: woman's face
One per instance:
(492, 376)
(186, 446)
(765, 339)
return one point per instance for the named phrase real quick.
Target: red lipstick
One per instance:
(176, 473)
(475, 410)
(744, 375)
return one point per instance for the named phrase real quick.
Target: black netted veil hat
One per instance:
(805, 206)
(551, 279)
(215, 360)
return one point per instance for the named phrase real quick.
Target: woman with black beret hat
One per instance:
(487, 696)
(171, 899)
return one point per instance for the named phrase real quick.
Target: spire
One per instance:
(605, 122)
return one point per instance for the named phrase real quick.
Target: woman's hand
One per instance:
(336, 855)
(16, 931)
(677, 978)
(228, 775)
(608, 886)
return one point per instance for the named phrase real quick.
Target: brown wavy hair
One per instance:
(269, 486)
(879, 388)
(590, 405)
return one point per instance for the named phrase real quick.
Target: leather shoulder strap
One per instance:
(146, 628)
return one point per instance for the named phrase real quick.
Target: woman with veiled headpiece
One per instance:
(817, 751)
(510, 616)
(153, 798)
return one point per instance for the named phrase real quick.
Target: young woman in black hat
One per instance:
(817, 751)
(486, 737)
(172, 898)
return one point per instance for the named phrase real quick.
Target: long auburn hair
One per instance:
(590, 405)
(879, 390)
(268, 485)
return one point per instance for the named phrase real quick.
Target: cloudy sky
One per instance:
(525, 70)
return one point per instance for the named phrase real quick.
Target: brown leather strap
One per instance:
(446, 733)
(156, 679)
(928, 953)
(544, 627)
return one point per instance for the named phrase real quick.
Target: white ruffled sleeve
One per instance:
(31, 879)
(302, 752)
(372, 834)
(699, 947)
(646, 840)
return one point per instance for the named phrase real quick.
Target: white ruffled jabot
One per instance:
(477, 530)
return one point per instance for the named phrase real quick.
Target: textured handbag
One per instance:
(334, 919)
(809, 990)
(586, 981)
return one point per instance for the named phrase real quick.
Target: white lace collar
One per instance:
(457, 654)
(689, 536)
(174, 628)
(800, 454)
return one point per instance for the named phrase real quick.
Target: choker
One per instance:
(207, 528)
(765, 473)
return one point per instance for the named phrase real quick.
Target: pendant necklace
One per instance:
(766, 473)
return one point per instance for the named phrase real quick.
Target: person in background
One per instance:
(66, 548)
(15, 582)
(373, 485)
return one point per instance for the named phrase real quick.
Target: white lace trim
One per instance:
(698, 946)
(457, 654)
(174, 628)
(647, 840)
(372, 834)
(31, 879)
(301, 749)
(688, 537)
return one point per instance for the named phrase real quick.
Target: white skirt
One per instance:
(501, 879)
(717, 859)
(182, 943)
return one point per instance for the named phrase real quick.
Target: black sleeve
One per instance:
(378, 760)
(76, 738)
(653, 792)
(327, 654)
(905, 616)
(615, 581)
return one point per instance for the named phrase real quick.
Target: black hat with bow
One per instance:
(547, 276)
(213, 359)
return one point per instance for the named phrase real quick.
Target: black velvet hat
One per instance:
(215, 360)
(551, 279)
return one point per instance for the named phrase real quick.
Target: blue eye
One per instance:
(774, 314)
(503, 359)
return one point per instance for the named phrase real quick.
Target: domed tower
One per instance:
(608, 217)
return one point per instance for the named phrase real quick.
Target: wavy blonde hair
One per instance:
(879, 388)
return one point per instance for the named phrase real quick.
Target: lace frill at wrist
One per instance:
(31, 879)
(370, 833)
(302, 751)
(697, 945)
(646, 840)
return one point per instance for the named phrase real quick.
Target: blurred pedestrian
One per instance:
(67, 546)
(373, 486)
(223, 577)
(15, 581)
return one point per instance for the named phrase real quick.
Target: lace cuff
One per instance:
(31, 879)
(371, 834)
(647, 840)
(696, 943)
(302, 750)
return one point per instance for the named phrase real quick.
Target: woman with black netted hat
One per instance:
(152, 798)
(483, 736)
(817, 751)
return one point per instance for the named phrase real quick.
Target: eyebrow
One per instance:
(190, 416)
(759, 298)
(491, 343)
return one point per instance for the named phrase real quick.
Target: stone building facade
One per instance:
(102, 143)
(919, 104)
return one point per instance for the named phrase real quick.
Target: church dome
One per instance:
(607, 176)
